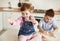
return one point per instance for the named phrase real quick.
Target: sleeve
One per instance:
(40, 23)
(18, 21)
(54, 24)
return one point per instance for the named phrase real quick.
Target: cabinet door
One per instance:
(1, 26)
(14, 16)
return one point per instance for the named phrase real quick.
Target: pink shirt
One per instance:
(17, 21)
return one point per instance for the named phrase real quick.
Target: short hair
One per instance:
(50, 13)
(26, 6)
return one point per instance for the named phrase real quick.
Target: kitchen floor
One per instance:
(11, 35)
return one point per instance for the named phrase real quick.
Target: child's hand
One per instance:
(45, 32)
(27, 18)
(33, 20)
(10, 20)
(51, 34)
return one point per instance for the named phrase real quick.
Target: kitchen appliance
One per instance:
(38, 18)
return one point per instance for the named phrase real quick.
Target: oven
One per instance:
(38, 18)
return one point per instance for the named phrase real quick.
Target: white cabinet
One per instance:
(14, 16)
(1, 26)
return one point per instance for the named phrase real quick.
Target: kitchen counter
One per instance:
(5, 9)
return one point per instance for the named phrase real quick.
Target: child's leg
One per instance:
(33, 36)
(22, 38)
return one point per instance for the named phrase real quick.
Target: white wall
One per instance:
(39, 4)
(46, 4)
(4, 3)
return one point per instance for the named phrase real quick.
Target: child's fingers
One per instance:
(51, 34)
(44, 33)
(10, 20)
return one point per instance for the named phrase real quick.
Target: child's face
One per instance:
(25, 13)
(48, 19)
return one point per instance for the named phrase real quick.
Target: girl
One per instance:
(26, 22)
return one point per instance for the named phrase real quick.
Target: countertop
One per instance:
(6, 9)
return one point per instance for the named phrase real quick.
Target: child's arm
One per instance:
(12, 22)
(34, 21)
(55, 29)
(41, 30)
(53, 32)
(40, 27)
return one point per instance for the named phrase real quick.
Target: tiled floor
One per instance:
(11, 35)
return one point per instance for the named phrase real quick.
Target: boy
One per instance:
(47, 26)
